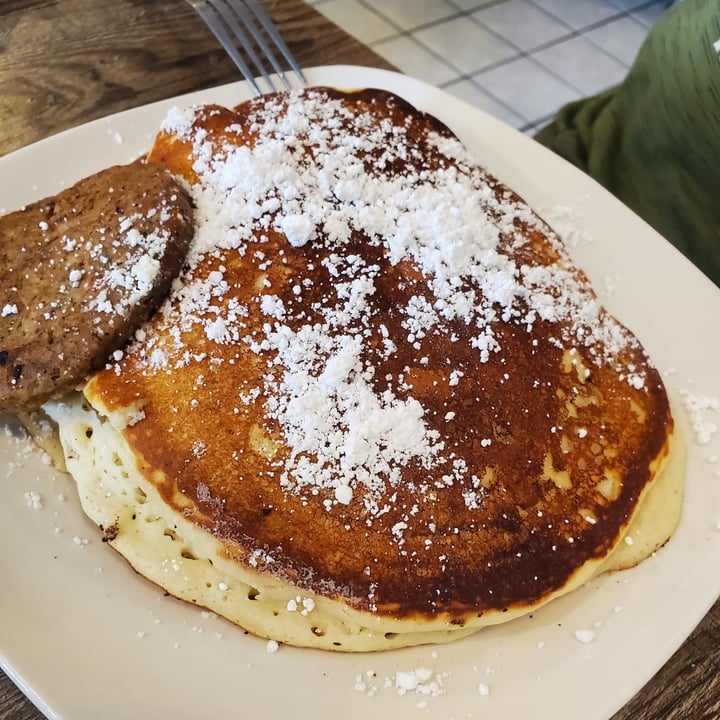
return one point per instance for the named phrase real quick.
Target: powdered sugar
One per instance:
(441, 216)
(448, 221)
(585, 636)
(336, 423)
(701, 410)
(422, 680)
(137, 277)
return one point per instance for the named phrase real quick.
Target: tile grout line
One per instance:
(520, 53)
(473, 77)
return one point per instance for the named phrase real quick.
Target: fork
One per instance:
(236, 23)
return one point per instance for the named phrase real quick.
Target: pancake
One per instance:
(81, 271)
(380, 407)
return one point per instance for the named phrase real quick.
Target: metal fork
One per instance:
(236, 24)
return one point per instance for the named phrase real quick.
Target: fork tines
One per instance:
(244, 25)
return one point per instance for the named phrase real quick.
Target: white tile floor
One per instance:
(517, 59)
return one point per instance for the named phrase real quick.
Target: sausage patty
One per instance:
(80, 271)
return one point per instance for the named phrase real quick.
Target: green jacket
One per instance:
(654, 141)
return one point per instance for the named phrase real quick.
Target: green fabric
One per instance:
(654, 141)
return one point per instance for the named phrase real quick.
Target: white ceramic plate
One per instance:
(86, 638)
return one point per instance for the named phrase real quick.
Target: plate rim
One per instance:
(424, 96)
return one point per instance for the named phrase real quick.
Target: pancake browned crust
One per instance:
(382, 385)
(82, 270)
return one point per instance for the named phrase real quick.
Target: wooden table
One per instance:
(65, 62)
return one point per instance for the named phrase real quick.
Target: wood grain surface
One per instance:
(65, 62)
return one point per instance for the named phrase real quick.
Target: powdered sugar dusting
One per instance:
(137, 278)
(704, 412)
(447, 221)
(349, 431)
(337, 425)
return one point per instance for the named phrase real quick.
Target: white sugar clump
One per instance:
(421, 680)
(585, 636)
(34, 500)
(699, 408)
(137, 277)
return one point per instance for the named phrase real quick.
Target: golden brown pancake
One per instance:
(380, 388)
